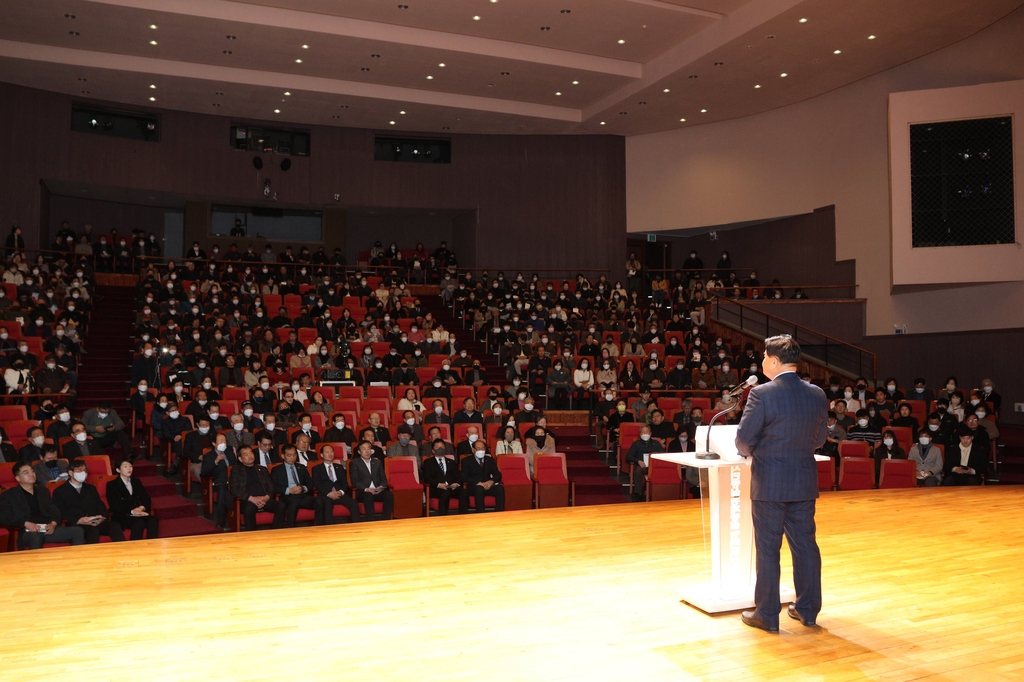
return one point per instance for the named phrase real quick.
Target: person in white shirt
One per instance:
(583, 380)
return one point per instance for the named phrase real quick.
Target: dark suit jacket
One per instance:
(74, 504)
(30, 453)
(7, 452)
(474, 472)
(322, 482)
(977, 460)
(43, 471)
(361, 478)
(784, 422)
(72, 449)
(14, 509)
(432, 475)
(196, 443)
(279, 476)
(333, 435)
(239, 479)
(675, 446)
(279, 436)
(219, 471)
(122, 502)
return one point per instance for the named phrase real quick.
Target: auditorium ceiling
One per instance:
(621, 67)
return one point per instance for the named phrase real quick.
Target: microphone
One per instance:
(707, 454)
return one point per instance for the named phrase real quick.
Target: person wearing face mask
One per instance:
(988, 391)
(218, 421)
(921, 391)
(437, 414)
(529, 414)
(929, 460)
(948, 421)
(638, 456)
(406, 445)
(28, 506)
(892, 390)
(215, 463)
(61, 428)
(836, 434)
(653, 375)
(967, 461)
(106, 428)
(403, 375)
(557, 381)
(194, 445)
(950, 388)
(956, 406)
(864, 430)
(906, 419)
(441, 476)
(726, 376)
(48, 467)
(80, 505)
(481, 479)
(889, 448)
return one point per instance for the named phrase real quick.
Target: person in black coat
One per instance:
(250, 484)
(81, 445)
(130, 504)
(371, 483)
(331, 491)
(480, 477)
(146, 367)
(340, 432)
(966, 462)
(80, 505)
(293, 484)
(215, 463)
(28, 506)
(442, 477)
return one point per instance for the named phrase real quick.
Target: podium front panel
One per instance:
(732, 553)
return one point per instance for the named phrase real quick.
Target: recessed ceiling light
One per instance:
(226, 51)
(215, 104)
(837, 52)
(575, 82)
(69, 16)
(365, 68)
(871, 37)
(703, 111)
(305, 47)
(344, 106)
(490, 85)
(804, 20)
(403, 7)
(445, 128)
(682, 120)
(558, 93)
(622, 113)
(430, 78)
(641, 103)
(783, 75)
(75, 33)
(232, 37)
(375, 56)
(335, 116)
(770, 37)
(82, 79)
(757, 87)
(665, 90)
(565, 11)
(476, 17)
(152, 86)
(692, 76)
(401, 112)
(153, 26)
(391, 122)
(277, 111)
(152, 42)
(85, 92)
(441, 65)
(545, 28)
(152, 99)
(719, 63)
(602, 122)
(219, 93)
(298, 61)
(622, 42)
(504, 73)
(287, 94)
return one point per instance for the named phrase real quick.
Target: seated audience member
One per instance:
(28, 506)
(835, 435)
(266, 453)
(528, 415)
(240, 435)
(441, 477)
(889, 448)
(293, 484)
(370, 483)
(306, 429)
(250, 484)
(405, 446)
(49, 468)
(330, 482)
(948, 421)
(81, 445)
(981, 412)
(921, 391)
(32, 451)
(966, 462)
(940, 436)
(864, 430)
(130, 505)
(480, 478)
(380, 433)
(468, 414)
(508, 442)
(538, 440)
(683, 443)
(106, 428)
(644, 445)
(928, 459)
(410, 402)
(905, 419)
(988, 389)
(473, 434)
(660, 428)
(216, 461)
(973, 425)
(437, 415)
(61, 428)
(427, 446)
(304, 451)
(80, 505)
(843, 417)
(195, 444)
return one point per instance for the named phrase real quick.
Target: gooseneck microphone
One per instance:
(707, 454)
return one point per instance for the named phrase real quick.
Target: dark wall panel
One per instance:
(103, 215)
(841, 320)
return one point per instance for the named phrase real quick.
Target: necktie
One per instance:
(444, 470)
(330, 473)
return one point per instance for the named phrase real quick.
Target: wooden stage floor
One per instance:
(918, 584)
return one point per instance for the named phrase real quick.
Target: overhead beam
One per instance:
(661, 4)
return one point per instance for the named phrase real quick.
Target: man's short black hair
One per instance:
(103, 405)
(784, 347)
(18, 466)
(78, 463)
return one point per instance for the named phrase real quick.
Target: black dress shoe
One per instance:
(795, 615)
(749, 618)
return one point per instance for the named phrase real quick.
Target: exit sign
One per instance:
(652, 237)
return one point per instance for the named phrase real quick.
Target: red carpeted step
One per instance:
(587, 500)
(157, 486)
(175, 528)
(143, 467)
(174, 507)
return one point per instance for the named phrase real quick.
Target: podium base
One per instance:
(704, 597)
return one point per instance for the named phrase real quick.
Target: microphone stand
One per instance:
(707, 454)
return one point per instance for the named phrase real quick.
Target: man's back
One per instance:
(783, 423)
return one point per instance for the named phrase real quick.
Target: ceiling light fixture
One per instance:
(277, 111)
(566, 11)
(401, 112)
(152, 86)
(365, 68)
(226, 51)
(152, 42)
(287, 94)
(430, 78)
(871, 37)
(219, 93)
(215, 104)
(622, 113)
(441, 65)
(375, 56)
(298, 61)
(69, 16)
(403, 7)
(641, 103)
(719, 63)
(85, 92)
(621, 41)
(391, 122)
(152, 99)
(344, 106)
(153, 26)
(665, 90)
(476, 17)
(692, 76)
(682, 120)
(232, 37)
(545, 28)
(305, 47)
(335, 116)
(505, 73)
(804, 20)
(575, 82)
(783, 75)
(82, 79)
(446, 127)
(757, 87)
(75, 33)
(837, 52)
(703, 111)
(559, 94)
(602, 122)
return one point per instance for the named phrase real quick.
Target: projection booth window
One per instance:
(268, 223)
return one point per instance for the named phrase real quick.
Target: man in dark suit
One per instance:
(293, 484)
(370, 483)
(49, 468)
(250, 483)
(81, 445)
(196, 443)
(28, 506)
(277, 436)
(967, 461)
(330, 483)
(480, 477)
(265, 454)
(783, 424)
(130, 504)
(215, 463)
(80, 505)
(32, 451)
(340, 432)
(442, 476)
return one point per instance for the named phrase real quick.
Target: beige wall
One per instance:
(944, 264)
(832, 149)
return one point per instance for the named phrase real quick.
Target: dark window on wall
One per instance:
(412, 150)
(962, 182)
(270, 140)
(126, 124)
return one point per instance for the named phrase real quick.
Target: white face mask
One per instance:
(987, 389)
(38, 441)
(80, 476)
(64, 417)
(438, 410)
(410, 421)
(473, 437)
(52, 365)
(81, 437)
(933, 427)
(204, 430)
(215, 415)
(265, 385)
(980, 414)
(480, 454)
(173, 414)
(645, 436)
(528, 407)
(238, 427)
(497, 411)
(269, 427)
(221, 447)
(924, 440)
(888, 442)
(307, 427)
(862, 422)
(179, 389)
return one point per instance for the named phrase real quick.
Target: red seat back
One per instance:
(856, 473)
(662, 472)
(904, 436)
(550, 469)
(827, 474)
(897, 473)
(854, 448)
(514, 469)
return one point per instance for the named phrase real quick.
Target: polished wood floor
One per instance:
(918, 584)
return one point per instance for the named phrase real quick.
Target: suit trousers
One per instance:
(795, 520)
(293, 503)
(385, 497)
(137, 524)
(108, 439)
(961, 479)
(109, 528)
(72, 534)
(445, 496)
(249, 510)
(478, 493)
(325, 509)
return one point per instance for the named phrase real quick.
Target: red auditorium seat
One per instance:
(854, 448)
(551, 482)
(827, 474)
(664, 481)
(515, 476)
(898, 473)
(403, 474)
(856, 473)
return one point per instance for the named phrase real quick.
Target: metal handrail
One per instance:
(843, 356)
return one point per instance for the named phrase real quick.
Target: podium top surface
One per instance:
(690, 459)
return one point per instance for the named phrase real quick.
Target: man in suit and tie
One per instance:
(215, 463)
(370, 483)
(784, 422)
(442, 476)
(294, 484)
(81, 445)
(250, 483)
(81, 505)
(32, 451)
(266, 453)
(480, 477)
(330, 482)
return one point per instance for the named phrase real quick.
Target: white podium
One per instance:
(730, 586)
